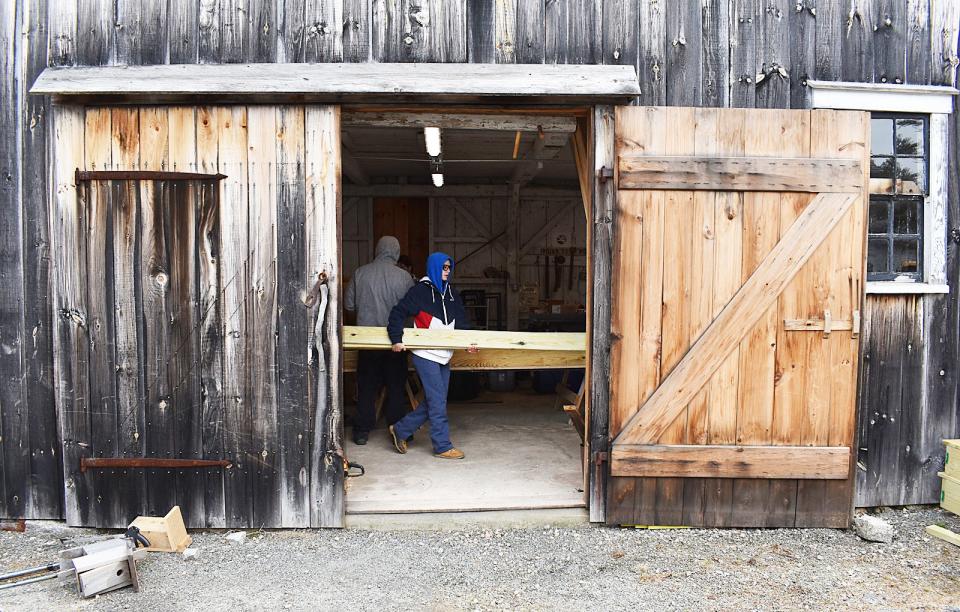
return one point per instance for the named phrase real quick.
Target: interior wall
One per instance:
(551, 226)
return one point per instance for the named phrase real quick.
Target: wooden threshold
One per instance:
(689, 461)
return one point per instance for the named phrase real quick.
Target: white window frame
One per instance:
(937, 103)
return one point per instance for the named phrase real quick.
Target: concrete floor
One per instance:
(521, 453)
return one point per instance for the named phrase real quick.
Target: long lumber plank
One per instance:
(356, 337)
(499, 359)
(736, 320)
(694, 461)
(740, 174)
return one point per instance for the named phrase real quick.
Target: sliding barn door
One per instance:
(737, 281)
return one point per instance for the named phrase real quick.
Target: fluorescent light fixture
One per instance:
(437, 180)
(432, 137)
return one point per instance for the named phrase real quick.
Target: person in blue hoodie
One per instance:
(434, 304)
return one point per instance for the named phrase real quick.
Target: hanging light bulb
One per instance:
(432, 137)
(437, 180)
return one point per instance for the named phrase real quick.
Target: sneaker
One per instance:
(360, 439)
(400, 445)
(450, 454)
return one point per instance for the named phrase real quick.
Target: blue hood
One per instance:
(435, 269)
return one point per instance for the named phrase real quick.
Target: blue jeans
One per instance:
(435, 379)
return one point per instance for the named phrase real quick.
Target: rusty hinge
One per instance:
(600, 457)
(604, 174)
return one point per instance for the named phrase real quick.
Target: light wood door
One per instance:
(737, 282)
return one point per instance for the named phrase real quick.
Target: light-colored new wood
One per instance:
(696, 461)
(753, 299)
(816, 325)
(509, 123)
(951, 458)
(740, 174)
(944, 534)
(355, 337)
(949, 492)
(358, 82)
(166, 533)
(499, 359)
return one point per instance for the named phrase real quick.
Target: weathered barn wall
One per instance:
(692, 52)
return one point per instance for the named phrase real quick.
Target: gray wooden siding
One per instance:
(693, 52)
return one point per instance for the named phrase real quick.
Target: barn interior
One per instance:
(501, 196)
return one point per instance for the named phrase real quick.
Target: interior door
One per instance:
(736, 284)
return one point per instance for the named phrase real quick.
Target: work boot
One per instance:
(360, 438)
(400, 445)
(450, 454)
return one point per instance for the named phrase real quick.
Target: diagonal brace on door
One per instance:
(736, 320)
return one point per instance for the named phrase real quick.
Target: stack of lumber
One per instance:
(949, 490)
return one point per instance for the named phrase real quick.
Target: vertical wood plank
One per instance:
(209, 32)
(773, 51)
(222, 143)
(141, 32)
(683, 63)
(46, 469)
(14, 423)
(292, 30)
(857, 43)
(573, 32)
(62, 19)
(652, 61)
(95, 25)
(830, 23)
(131, 425)
(530, 47)
(70, 335)
(743, 53)
(259, 31)
(323, 36)
(262, 221)
(919, 62)
(100, 319)
(722, 407)
(944, 24)
(183, 28)
(803, 49)
(715, 71)
(890, 42)
(356, 30)
(505, 27)
(481, 32)
(621, 25)
(322, 154)
(294, 321)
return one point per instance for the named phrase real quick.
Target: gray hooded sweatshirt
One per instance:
(376, 287)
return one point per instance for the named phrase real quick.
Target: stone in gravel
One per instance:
(237, 536)
(873, 529)
(190, 553)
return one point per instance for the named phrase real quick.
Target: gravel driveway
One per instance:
(586, 568)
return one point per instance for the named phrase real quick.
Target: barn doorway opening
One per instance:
(503, 198)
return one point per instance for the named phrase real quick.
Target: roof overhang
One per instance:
(342, 83)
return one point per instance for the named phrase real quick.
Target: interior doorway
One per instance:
(509, 210)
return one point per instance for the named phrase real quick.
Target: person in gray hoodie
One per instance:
(372, 293)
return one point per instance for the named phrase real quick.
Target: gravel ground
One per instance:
(531, 569)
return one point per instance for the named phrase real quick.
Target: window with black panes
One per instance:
(899, 162)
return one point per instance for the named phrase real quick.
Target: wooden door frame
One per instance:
(593, 143)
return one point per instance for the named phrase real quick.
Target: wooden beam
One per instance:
(388, 190)
(375, 338)
(510, 123)
(740, 174)
(691, 461)
(499, 359)
(739, 316)
(944, 534)
(547, 146)
(354, 82)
